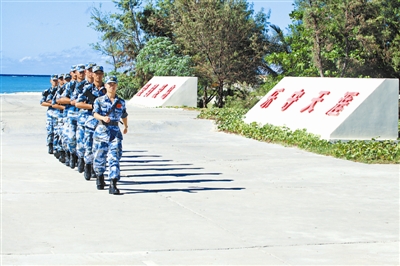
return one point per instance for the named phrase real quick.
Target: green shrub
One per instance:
(231, 120)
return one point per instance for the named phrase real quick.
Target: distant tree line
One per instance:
(229, 47)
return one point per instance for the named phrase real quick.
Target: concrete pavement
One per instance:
(191, 196)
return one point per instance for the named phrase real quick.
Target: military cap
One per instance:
(112, 79)
(97, 68)
(54, 77)
(67, 76)
(89, 65)
(80, 67)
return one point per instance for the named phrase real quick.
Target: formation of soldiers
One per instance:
(82, 123)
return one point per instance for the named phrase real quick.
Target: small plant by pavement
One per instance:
(372, 151)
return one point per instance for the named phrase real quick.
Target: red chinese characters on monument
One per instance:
(295, 97)
(145, 87)
(159, 91)
(271, 98)
(345, 101)
(314, 101)
(168, 92)
(151, 90)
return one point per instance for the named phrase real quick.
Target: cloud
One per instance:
(29, 58)
(52, 62)
(25, 58)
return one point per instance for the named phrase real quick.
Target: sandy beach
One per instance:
(190, 196)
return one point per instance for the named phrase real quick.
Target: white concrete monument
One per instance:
(167, 91)
(333, 108)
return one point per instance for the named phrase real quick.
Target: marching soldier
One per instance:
(46, 102)
(68, 97)
(85, 101)
(58, 113)
(107, 138)
(82, 117)
(62, 118)
(71, 115)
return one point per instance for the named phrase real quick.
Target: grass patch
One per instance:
(372, 151)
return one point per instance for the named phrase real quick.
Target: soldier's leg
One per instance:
(56, 138)
(80, 147)
(88, 156)
(50, 131)
(113, 157)
(61, 141)
(72, 141)
(65, 138)
(100, 150)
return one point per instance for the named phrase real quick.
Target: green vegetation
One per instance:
(237, 54)
(231, 120)
(160, 57)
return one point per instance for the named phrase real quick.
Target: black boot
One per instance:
(100, 182)
(113, 187)
(81, 165)
(94, 173)
(67, 158)
(94, 176)
(57, 154)
(50, 148)
(72, 161)
(88, 170)
(62, 157)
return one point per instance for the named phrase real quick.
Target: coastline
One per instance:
(21, 93)
(24, 75)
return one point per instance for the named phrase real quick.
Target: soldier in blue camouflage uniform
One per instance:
(65, 159)
(46, 102)
(76, 133)
(85, 101)
(69, 96)
(58, 114)
(82, 117)
(107, 138)
(71, 121)
(62, 119)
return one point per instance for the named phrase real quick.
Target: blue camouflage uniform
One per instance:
(81, 119)
(72, 91)
(63, 121)
(89, 94)
(65, 128)
(107, 139)
(82, 116)
(71, 113)
(57, 114)
(68, 122)
(50, 120)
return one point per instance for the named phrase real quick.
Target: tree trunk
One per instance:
(317, 38)
(221, 94)
(317, 41)
(205, 98)
(318, 55)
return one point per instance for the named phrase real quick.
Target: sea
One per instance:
(23, 83)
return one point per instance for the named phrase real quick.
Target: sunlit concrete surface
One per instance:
(190, 196)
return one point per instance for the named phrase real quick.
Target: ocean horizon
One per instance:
(25, 75)
(19, 83)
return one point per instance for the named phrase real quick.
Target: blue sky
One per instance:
(46, 37)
